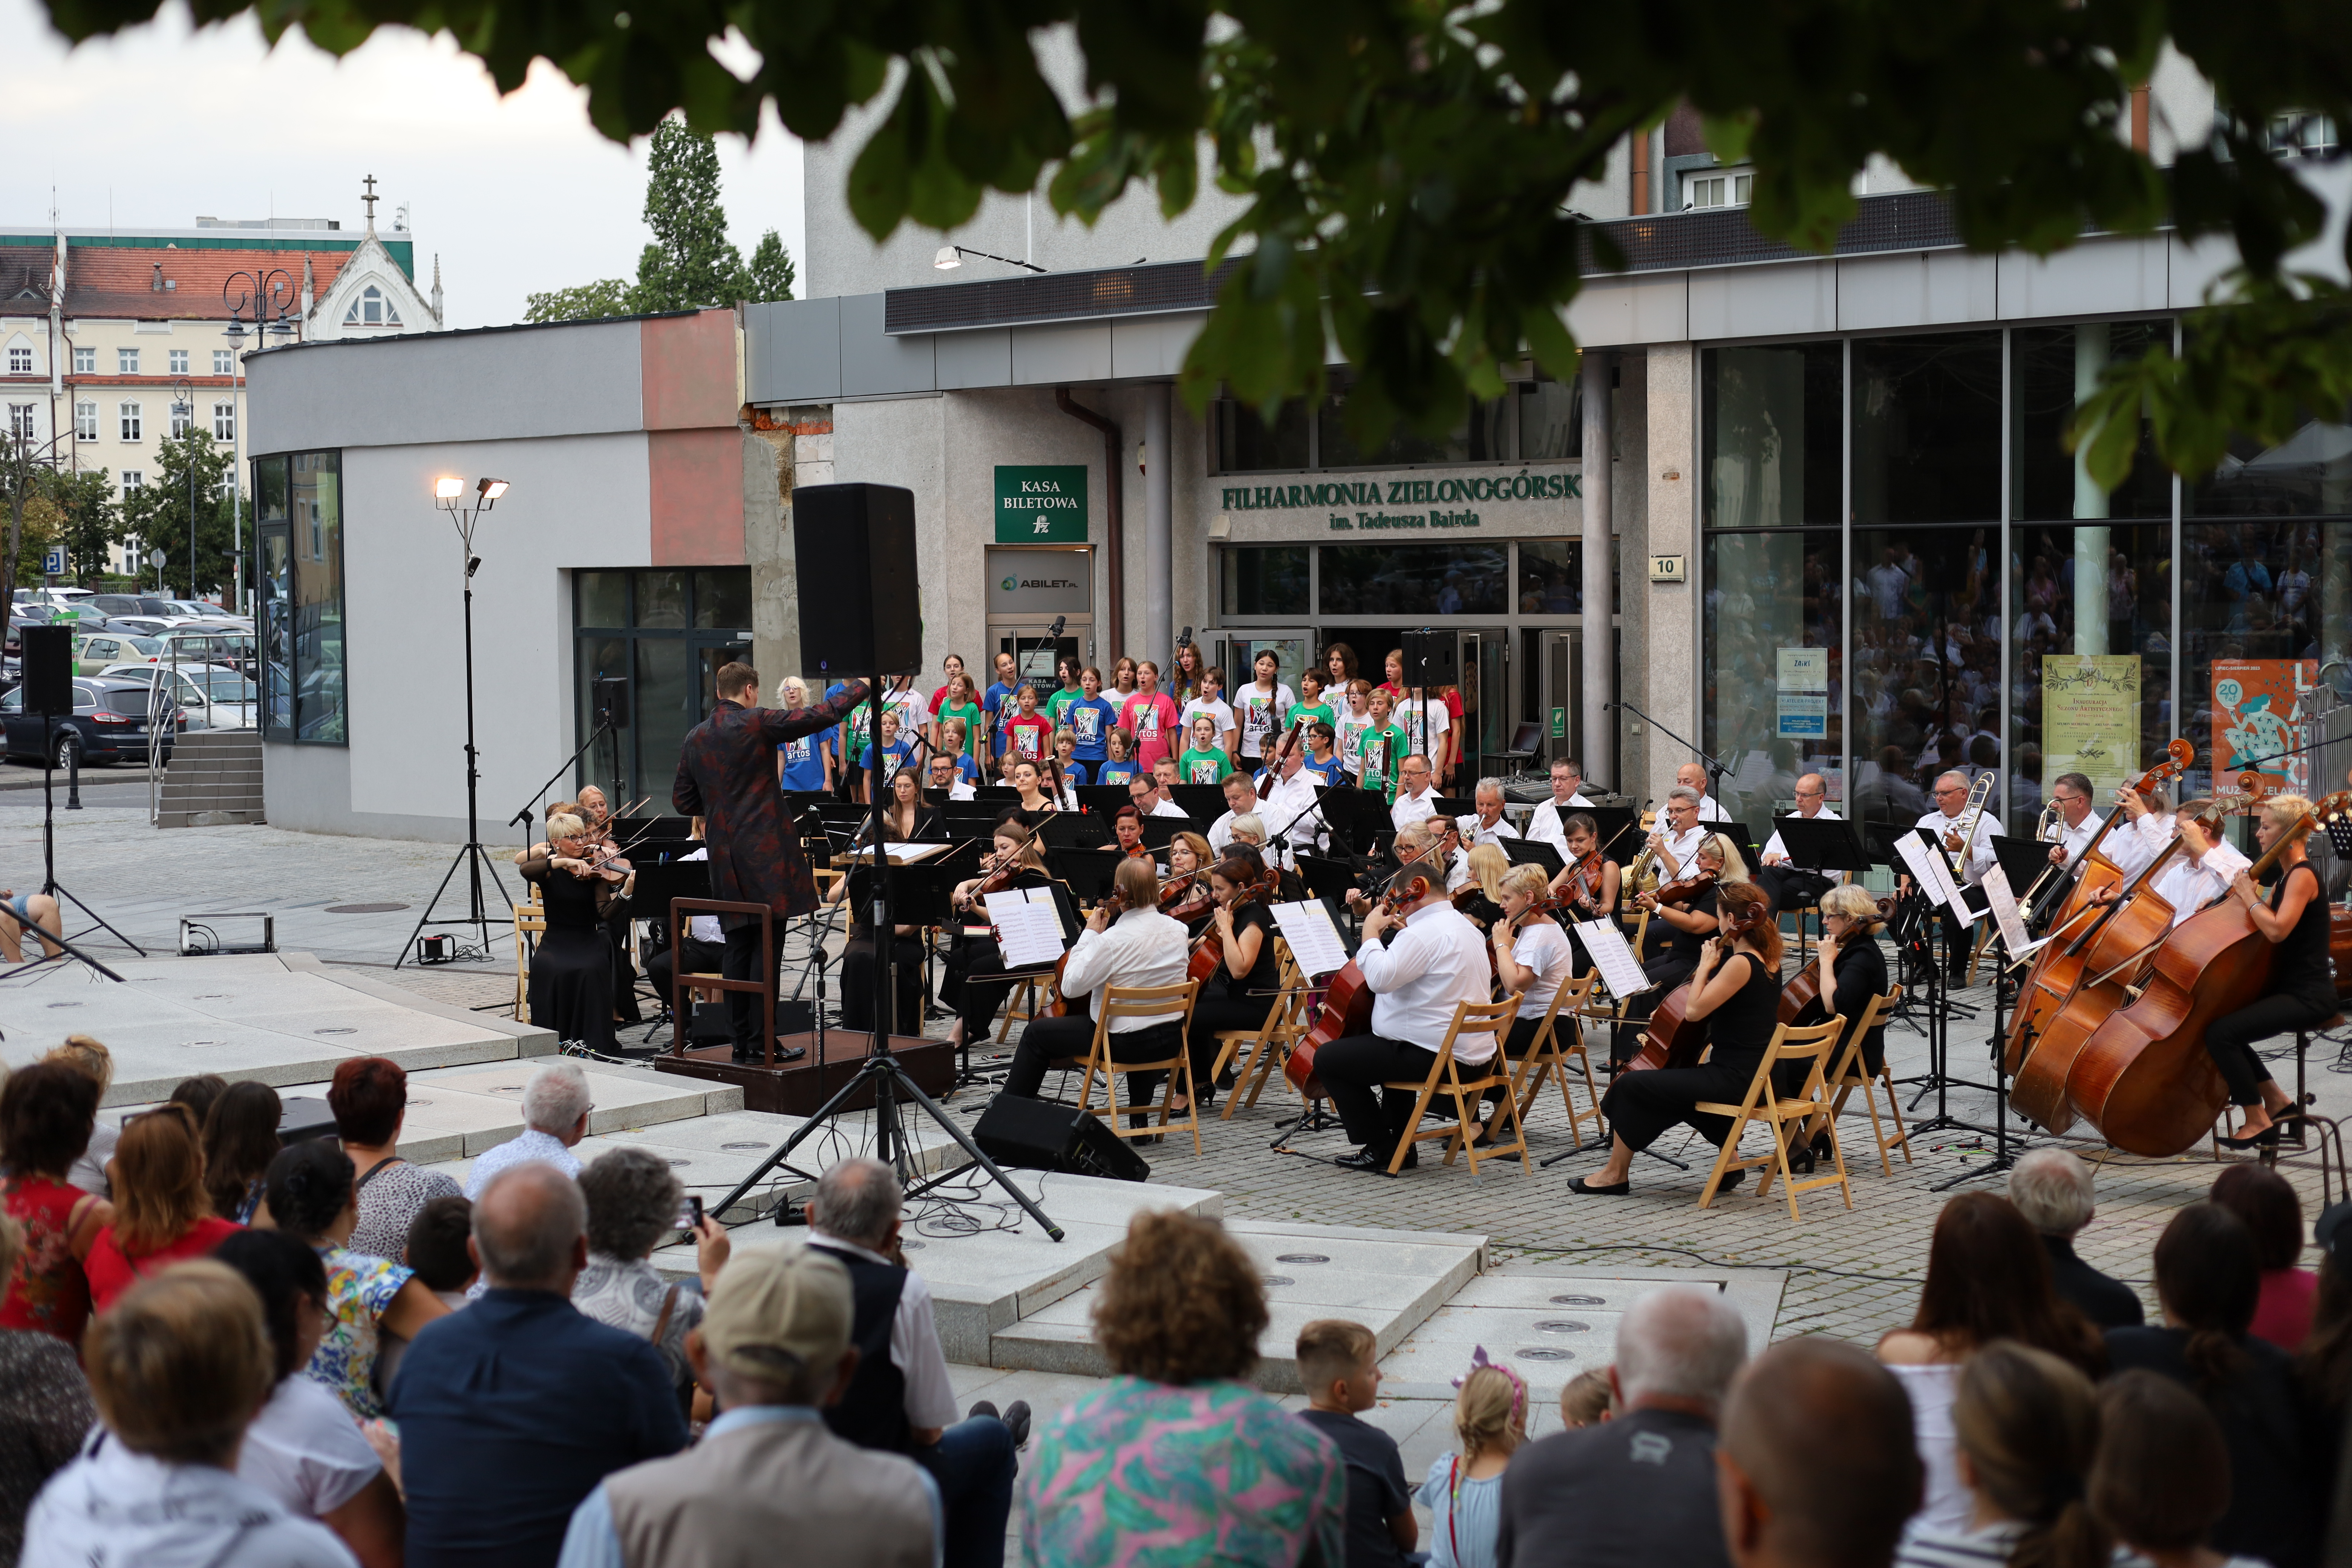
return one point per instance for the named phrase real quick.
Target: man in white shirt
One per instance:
(2077, 823)
(1546, 827)
(1691, 776)
(1960, 838)
(1141, 948)
(1240, 800)
(1677, 836)
(1290, 808)
(1785, 881)
(1151, 797)
(555, 1107)
(947, 775)
(2196, 873)
(1435, 962)
(1416, 793)
(1487, 826)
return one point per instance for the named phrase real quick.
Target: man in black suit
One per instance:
(2052, 1190)
(1638, 1490)
(1819, 1467)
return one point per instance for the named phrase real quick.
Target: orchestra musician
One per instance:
(2201, 873)
(2077, 823)
(1693, 777)
(1736, 987)
(1448, 835)
(1240, 800)
(1689, 925)
(1140, 948)
(904, 815)
(1149, 797)
(1677, 836)
(1958, 833)
(1786, 883)
(974, 966)
(947, 776)
(2302, 989)
(1531, 961)
(1852, 971)
(1186, 894)
(1421, 968)
(1480, 896)
(1486, 825)
(1033, 798)
(1290, 808)
(596, 814)
(1589, 883)
(1549, 822)
(702, 948)
(572, 972)
(1248, 974)
(1127, 831)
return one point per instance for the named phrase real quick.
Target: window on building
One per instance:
(224, 361)
(182, 416)
(1266, 580)
(1534, 421)
(20, 360)
(1774, 454)
(1414, 579)
(2297, 135)
(85, 362)
(298, 525)
(664, 633)
(85, 421)
(372, 310)
(224, 421)
(179, 361)
(20, 420)
(1927, 428)
(132, 479)
(131, 423)
(126, 361)
(1717, 188)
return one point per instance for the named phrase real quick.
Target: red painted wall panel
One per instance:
(697, 495)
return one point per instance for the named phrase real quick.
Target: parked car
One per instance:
(109, 725)
(94, 651)
(199, 644)
(111, 605)
(211, 696)
(141, 626)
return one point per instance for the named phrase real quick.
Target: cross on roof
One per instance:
(370, 199)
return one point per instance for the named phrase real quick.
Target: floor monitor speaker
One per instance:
(853, 550)
(49, 670)
(1042, 1135)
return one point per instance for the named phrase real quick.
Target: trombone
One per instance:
(2050, 829)
(1973, 814)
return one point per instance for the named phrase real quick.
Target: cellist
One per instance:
(2301, 991)
(1689, 924)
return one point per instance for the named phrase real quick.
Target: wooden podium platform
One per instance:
(791, 1089)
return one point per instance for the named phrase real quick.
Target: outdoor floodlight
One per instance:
(448, 489)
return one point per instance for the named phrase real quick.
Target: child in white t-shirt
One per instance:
(1212, 681)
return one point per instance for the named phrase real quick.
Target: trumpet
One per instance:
(1973, 813)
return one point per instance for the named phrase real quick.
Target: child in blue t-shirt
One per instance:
(894, 752)
(1090, 717)
(800, 765)
(1119, 766)
(1323, 758)
(997, 702)
(1074, 772)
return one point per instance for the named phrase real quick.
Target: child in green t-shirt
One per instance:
(1065, 694)
(1203, 763)
(1311, 705)
(1381, 749)
(959, 703)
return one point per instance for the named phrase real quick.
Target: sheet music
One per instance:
(2005, 913)
(1620, 972)
(1028, 926)
(1922, 862)
(1948, 887)
(1314, 940)
(903, 854)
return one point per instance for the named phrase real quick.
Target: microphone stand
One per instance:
(523, 818)
(1715, 769)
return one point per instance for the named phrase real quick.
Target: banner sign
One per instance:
(1041, 503)
(2090, 719)
(2257, 721)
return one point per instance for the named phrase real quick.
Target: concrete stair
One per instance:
(213, 780)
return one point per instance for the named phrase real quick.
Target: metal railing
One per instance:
(219, 689)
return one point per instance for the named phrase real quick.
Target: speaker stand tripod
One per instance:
(50, 883)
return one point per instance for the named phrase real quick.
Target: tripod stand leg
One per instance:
(430, 904)
(58, 889)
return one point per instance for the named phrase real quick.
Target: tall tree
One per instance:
(157, 514)
(91, 525)
(24, 466)
(605, 297)
(772, 273)
(692, 263)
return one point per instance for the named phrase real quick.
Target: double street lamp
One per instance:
(256, 294)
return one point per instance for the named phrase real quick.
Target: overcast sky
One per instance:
(516, 194)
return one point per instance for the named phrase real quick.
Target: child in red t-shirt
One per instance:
(1029, 734)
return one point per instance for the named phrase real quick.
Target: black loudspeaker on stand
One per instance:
(854, 546)
(1430, 659)
(49, 692)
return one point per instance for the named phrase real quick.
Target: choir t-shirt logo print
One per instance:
(1087, 725)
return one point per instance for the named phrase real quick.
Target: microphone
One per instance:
(1059, 622)
(1184, 637)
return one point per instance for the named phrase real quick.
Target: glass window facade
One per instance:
(661, 634)
(1534, 421)
(299, 532)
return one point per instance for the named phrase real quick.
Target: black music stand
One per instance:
(1159, 832)
(1203, 802)
(1447, 806)
(1073, 830)
(1534, 852)
(2024, 859)
(1621, 839)
(1326, 879)
(651, 827)
(1088, 873)
(1357, 816)
(1939, 1010)
(1104, 800)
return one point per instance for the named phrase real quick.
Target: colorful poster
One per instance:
(2257, 723)
(2090, 719)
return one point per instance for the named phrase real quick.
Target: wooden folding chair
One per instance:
(1157, 1002)
(1764, 1104)
(1269, 1042)
(1446, 1075)
(529, 920)
(1851, 1074)
(1547, 1057)
(1021, 1003)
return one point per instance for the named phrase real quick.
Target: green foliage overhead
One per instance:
(1410, 169)
(605, 297)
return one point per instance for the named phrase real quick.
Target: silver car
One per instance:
(212, 696)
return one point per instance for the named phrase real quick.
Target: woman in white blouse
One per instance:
(1533, 963)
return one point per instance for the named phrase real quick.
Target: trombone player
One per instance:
(2068, 826)
(1964, 826)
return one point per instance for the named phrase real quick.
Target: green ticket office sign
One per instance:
(1041, 503)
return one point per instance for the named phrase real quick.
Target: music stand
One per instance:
(1738, 833)
(2024, 860)
(655, 826)
(1618, 837)
(1534, 852)
(1822, 844)
(1445, 805)
(1326, 879)
(1159, 832)
(1357, 816)
(1073, 830)
(1203, 802)
(1088, 873)
(998, 796)
(1104, 800)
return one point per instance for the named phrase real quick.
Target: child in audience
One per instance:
(1463, 1492)
(1337, 1368)
(1586, 1400)
(436, 1251)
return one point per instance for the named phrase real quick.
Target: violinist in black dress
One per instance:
(1242, 991)
(1690, 923)
(2302, 989)
(1735, 988)
(572, 969)
(975, 966)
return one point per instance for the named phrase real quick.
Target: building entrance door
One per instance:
(1553, 700)
(1487, 734)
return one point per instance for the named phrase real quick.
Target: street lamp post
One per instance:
(256, 293)
(184, 393)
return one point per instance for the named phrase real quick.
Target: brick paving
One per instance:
(1853, 1275)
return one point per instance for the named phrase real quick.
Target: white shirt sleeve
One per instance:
(915, 1351)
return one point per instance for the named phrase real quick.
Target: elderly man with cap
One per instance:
(774, 1349)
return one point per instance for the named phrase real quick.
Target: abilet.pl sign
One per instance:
(1041, 503)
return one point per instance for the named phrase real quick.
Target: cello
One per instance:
(1675, 1038)
(2055, 971)
(1347, 1002)
(2144, 1078)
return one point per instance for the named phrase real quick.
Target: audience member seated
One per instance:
(2208, 1281)
(437, 1250)
(44, 1407)
(368, 1299)
(303, 1448)
(1464, 1491)
(1339, 1369)
(2161, 1481)
(511, 1411)
(1639, 1490)
(776, 1348)
(179, 1366)
(1178, 1317)
(1988, 1278)
(555, 1107)
(1816, 1465)
(46, 1113)
(899, 1401)
(634, 1202)
(2266, 1204)
(2323, 1368)
(369, 1097)
(92, 1059)
(2028, 1424)
(161, 1212)
(2052, 1189)
(240, 1139)
(200, 1094)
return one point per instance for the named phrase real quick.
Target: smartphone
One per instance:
(690, 1217)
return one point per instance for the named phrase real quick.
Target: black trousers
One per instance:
(1354, 1068)
(1641, 1106)
(741, 962)
(625, 974)
(1666, 970)
(856, 984)
(701, 958)
(1219, 1010)
(983, 988)
(1786, 885)
(2230, 1038)
(1049, 1040)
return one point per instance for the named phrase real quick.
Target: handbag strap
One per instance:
(376, 1169)
(669, 1305)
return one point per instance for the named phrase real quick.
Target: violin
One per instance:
(1683, 890)
(1185, 897)
(1209, 953)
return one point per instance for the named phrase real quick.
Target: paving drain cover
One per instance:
(906, 1245)
(1542, 1352)
(742, 1146)
(1301, 1258)
(65, 1004)
(675, 1161)
(338, 1030)
(363, 908)
(1273, 1281)
(1580, 1301)
(1562, 1326)
(191, 1044)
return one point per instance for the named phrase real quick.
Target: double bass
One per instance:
(1347, 1002)
(2144, 1078)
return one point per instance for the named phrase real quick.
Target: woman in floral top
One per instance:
(313, 1199)
(46, 1112)
(1175, 1460)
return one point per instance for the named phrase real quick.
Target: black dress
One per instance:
(1860, 973)
(1667, 968)
(1234, 1002)
(572, 972)
(1642, 1105)
(974, 966)
(2300, 993)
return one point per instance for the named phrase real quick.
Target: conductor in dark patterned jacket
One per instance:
(727, 772)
